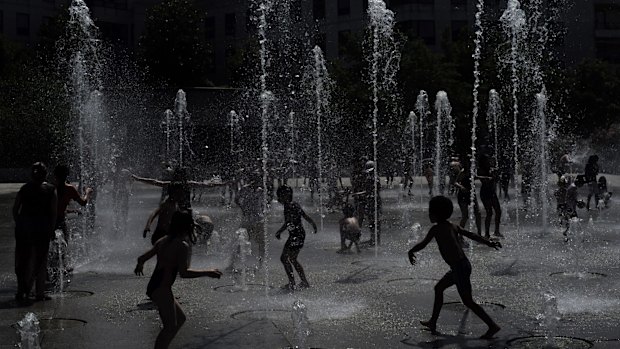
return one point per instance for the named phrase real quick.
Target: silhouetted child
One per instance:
(173, 257)
(164, 213)
(349, 229)
(293, 213)
(447, 236)
(604, 194)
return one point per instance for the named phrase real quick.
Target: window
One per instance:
(22, 24)
(210, 28)
(417, 5)
(608, 50)
(459, 29)
(607, 16)
(343, 40)
(458, 5)
(344, 7)
(230, 24)
(318, 9)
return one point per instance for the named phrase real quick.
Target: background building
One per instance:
(592, 26)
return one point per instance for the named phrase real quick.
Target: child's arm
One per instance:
(150, 181)
(308, 219)
(145, 257)
(282, 228)
(491, 243)
(147, 228)
(420, 245)
(187, 273)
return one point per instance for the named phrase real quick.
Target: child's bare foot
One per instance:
(430, 325)
(491, 332)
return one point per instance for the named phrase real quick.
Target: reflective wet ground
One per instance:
(373, 299)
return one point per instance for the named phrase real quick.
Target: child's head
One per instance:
(61, 172)
(348, 210)
(285, 194)
(440, 209)
(602, 182)
(38, 172)
(182, 224)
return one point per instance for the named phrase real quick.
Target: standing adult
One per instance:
(463, 195)
(591, 171)
(488, 195)
(34, 213)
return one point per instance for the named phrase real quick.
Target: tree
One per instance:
(173, 46)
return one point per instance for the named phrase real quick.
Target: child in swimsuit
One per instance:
(447, 236)
(173, 257)
(293, 213)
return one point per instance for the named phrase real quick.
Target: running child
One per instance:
(173, 257)
(447, 236)
(293, 213)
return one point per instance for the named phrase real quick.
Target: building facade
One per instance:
(592, 26)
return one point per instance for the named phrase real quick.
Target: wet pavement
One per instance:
(373, 299)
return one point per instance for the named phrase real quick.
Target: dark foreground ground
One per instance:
(369, 300)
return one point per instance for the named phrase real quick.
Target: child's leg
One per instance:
(478, 217)
(300, 270)
(285, 258)
(498, 214)
(172, 317)
(342, 241)
(445, 282)
(488, 207)
(462, 280)
(464, 213)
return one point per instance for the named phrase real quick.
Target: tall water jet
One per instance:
(266, 97)
(168, 127)
(384, 62)
(412, 122)
(79, 52)
(291, 149)
(494, 113)
(183, 127)
(235, 129)
(541, 104)
(474, 117)
(443, 140)
(514, 23)
(321, 88)
(422, 106)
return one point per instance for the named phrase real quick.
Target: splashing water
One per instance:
(384, 62)
(443, 140)
(514, 22)
(549, 318)
(28, 329)
(541, 103)
(422, 106)
(321, 86)
(300, 323)
(266, 97)
(244, 250)
(474, 118)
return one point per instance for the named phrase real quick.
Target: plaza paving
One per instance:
(369, 300)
